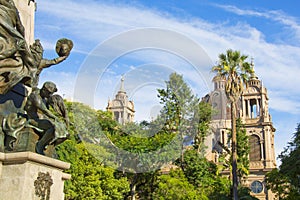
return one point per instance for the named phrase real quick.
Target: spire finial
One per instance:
(253, 75)
(122, 83)
(252, 63)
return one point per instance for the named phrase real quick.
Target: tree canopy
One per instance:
(285, 181)
(142, 169)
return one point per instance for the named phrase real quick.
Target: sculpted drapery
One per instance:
(16, 61)
(32, 121)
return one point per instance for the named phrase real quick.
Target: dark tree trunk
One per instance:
(234, 152)
(133, 187)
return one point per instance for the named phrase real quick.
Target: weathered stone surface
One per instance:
(19, 171)
(26, 10)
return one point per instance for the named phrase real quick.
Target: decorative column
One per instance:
(249, 109)
(244, 107)
(257, 108)
(262, 149)
(268, 153)
(27, 10)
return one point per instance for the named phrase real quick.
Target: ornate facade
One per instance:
(122, 109)
(254, 112)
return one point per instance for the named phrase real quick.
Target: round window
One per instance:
(256, 187)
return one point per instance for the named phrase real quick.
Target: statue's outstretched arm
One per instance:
(45, 63)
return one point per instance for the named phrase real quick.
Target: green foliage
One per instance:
(180, 106)
(243, 149)
(136, 143)
(84, 120)
(175, 186)
(141, 184)
(180, 112)
(205, 113)
(197, 169)
(145, 148)
(244, 193)
(106, 122)
(279, 184)
(145, 151)
(285, 182)
(204, 175)
(290, 159)
(234, 68)
(90, 179)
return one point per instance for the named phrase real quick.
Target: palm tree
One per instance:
(236, 71)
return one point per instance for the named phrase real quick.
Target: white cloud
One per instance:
(96, 21)
(287, 103)
(273, 15)
(89, 23)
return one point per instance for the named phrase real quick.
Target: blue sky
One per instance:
(268, 31)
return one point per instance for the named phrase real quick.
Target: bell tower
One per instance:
(122, 109)
(255, 115)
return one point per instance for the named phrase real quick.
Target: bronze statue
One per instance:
(18, 62)
(42, 119)
(13, 48)
(57, 103)
(49, 126)
(11, 29)
(63, 49)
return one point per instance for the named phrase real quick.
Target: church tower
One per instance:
(258, 123)
(122, 109)
(254, 113)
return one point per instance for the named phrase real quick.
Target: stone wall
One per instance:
(26, 10)
(27, 175)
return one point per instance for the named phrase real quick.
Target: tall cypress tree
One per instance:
(180, 112)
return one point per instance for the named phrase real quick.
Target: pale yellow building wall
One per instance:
(26, 10)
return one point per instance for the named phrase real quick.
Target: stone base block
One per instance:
(27, 175)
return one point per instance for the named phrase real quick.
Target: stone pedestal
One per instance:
(27, 175)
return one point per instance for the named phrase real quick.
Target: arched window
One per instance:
(116, 115)
(255, 150)
(223, 137)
